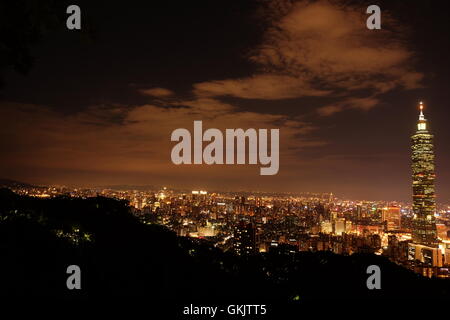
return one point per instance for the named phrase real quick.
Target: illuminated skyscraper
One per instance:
(244, 242)
(391, 216)
(424, 206)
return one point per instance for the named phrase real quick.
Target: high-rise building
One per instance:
(391, 216)
(424, 206)
(428, 255)
(339, 226)
(326, 226)
(244, 242)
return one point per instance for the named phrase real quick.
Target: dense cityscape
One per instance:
(250, 223)
(227, 159)
(247, 223)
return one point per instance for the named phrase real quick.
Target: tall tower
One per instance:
(424, 205)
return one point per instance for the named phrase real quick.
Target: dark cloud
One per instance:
(301, 66)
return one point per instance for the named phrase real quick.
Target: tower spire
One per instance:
(421, 116)
(422, 123)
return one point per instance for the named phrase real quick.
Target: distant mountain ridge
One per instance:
(8, 183)
(127, 187)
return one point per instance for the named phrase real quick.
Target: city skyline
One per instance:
(98, 106)
(415, 236)
(227, 158)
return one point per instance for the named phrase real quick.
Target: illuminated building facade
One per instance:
(391, 216)
(427, 255)
(424, 206)
(244, 239)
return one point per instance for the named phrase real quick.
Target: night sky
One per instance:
(97, 107)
